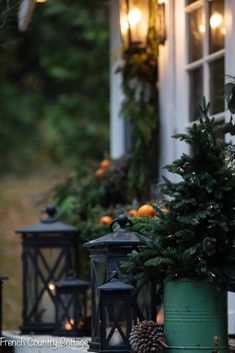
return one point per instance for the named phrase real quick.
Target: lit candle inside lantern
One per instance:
(116, 338)
(69, 324)
(47, 305)
(160, 316)
(51, 286)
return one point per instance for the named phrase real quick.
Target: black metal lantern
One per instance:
(50, 249)
(116, 314)
(2, 278)
(136, 18)
(106, 255)
(71, 306)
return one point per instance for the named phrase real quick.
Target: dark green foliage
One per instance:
(195, 237)
(84, 199)
(229, 93)
(8, 12)
(54, 85)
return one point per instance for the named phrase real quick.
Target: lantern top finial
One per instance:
(49, 223)
(119, 237)
(52, 213)
(71, 280)
(122, 221)
(114, 284)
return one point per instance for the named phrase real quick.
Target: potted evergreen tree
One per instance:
(192, 245)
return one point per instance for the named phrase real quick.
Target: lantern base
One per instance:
(96, 347)
(70, 333)
(37, 328)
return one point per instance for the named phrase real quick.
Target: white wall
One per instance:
(117, 124)
(172, 112)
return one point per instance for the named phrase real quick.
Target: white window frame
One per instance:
(182, 67)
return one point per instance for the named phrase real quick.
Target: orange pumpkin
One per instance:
(146, 210)
(133, 213)
(99, 171)
(106, 219)
(105, 163)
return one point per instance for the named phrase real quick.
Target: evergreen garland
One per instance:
(139, 79)
(195, 238)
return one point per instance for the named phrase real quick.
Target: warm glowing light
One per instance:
(160, 316)
(41, 0)
(51, 286)
(216, 20)
(134, 16)
(69, 324)
(223, 30)
(80, 324)
(202, 28)
(124, 24)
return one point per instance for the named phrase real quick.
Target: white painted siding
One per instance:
(117, 124)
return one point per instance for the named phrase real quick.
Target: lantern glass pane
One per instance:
(44, 267)
(66, 311)
(216, 82)
(196, 92)
(100, 272)
(134, 22)
(217, 26)
(47, 307)
(138, 19)
(124, 25)
(116, 323)
(196, 33)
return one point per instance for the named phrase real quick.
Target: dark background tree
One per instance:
(54, 86)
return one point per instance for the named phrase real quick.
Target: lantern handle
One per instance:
(70, 275)
(52, 213)
(122, 220)
(113, 275)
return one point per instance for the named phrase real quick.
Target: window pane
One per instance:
(217, 28)
(216, 86)
(196, 31)
(196, 94)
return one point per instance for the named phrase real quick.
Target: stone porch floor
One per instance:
(49, 344)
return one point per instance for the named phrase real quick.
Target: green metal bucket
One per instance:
(195, 317)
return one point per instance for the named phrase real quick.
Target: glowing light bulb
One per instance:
(41, 0)
(216, 20)
(134, 16)
(202, 28)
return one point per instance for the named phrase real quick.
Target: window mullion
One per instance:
(206, 72)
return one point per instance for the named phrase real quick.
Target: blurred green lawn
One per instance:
(19, 206)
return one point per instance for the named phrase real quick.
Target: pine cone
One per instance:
(147, 337)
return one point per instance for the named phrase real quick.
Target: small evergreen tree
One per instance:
(195, 237)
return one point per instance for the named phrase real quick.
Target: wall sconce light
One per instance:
(136, 19)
